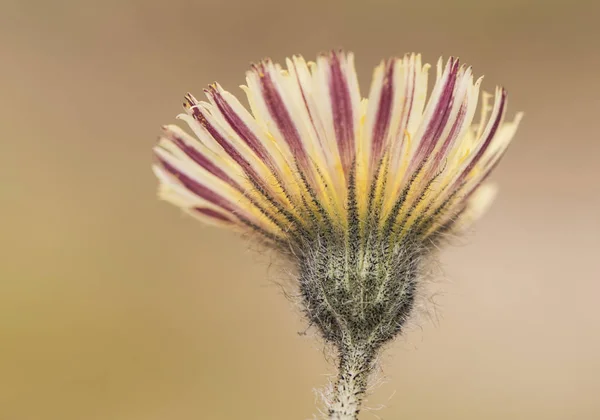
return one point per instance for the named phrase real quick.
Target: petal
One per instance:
(175, 139)
(273, 106)
(476, 206)
(191, 186)
(261, 181)
(436, 116)
(344, 98)
(311, 151)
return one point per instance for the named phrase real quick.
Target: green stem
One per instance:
(356, 363)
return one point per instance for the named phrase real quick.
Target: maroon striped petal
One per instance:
(310, 154)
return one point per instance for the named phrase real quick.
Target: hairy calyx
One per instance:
(359, 296)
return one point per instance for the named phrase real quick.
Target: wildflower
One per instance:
(357, 192)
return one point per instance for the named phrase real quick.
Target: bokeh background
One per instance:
(115, 306)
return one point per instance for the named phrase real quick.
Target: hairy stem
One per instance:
(356, 363)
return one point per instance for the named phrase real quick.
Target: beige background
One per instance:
(113, 306)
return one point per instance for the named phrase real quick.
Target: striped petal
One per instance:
(311, 155)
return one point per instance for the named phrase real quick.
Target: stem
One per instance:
(356, 363)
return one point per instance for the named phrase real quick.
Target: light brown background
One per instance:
(113, 306)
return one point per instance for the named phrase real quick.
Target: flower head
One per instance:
(357, 189)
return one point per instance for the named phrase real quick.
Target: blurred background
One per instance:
(115, 306)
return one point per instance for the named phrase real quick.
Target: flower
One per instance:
(357, 192)
(314, 156)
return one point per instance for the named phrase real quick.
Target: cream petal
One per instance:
(311, 153)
